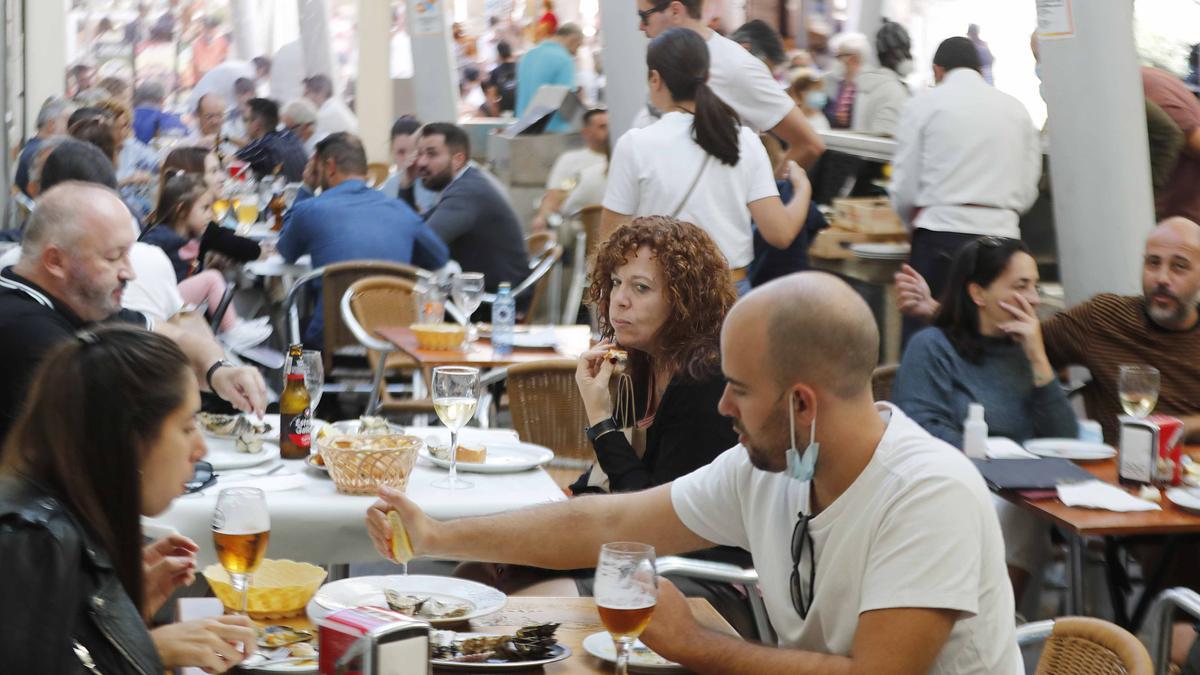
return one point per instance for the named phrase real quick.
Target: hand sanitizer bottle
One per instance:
(975, 433)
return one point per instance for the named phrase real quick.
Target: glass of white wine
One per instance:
(1138, 388)
(241, 527)
(455, 396)
(626, 592)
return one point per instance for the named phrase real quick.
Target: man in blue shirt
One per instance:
(271, 150)
(551, 62)
(350, 221)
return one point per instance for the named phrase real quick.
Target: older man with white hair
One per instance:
(300, 115)
(852, 52)
(51, 121)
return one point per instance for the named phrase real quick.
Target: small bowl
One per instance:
(440, 337)
(279, 589)
(360, 463)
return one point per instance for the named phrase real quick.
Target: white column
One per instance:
(46, 56)
(315, 41)
(866, 16)
(245, 32)
(1103, 201)
(435, 76)
(624, 62)
(373, 90)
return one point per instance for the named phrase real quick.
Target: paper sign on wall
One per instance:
(1054, 20)
(427, 17)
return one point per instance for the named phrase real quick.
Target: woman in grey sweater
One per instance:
(985, 346)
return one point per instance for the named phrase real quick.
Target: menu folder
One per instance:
(1030, 474)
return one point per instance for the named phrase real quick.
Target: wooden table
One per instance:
(577, 616)
(572, 341)
(1079, 523)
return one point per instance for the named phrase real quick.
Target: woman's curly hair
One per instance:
(698, 288)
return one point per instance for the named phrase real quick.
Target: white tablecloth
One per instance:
(317, 524)
(275, 266)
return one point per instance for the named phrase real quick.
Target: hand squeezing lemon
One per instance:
(402, 550)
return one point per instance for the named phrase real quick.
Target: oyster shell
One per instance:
(425, 607)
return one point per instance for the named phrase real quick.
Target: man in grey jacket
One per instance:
(882, 91)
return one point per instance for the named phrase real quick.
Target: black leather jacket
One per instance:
(60, 590)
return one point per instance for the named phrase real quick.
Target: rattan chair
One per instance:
(378, 301)
(882, 380)
(538, 244)
(377, 174)
(1078, 645)
(336, 279)
(547, 409)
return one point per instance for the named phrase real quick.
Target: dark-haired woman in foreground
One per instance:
(107, 435)
(698, 164)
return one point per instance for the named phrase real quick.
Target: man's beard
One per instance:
(437, 181)
(1170, 316)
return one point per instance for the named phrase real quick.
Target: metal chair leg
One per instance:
(377, 383)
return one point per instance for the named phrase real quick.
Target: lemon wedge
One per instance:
(402, 550)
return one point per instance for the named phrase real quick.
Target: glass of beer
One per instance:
(626, 591)
(455, 396)
(246, 210)
(1138, 389)
(241, 527)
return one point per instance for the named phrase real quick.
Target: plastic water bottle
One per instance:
(504, 315)
(975, 433)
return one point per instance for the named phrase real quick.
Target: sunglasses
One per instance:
(801, 541)
(202, 478)
(645, 14)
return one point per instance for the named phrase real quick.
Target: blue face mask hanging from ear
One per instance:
(801, 467)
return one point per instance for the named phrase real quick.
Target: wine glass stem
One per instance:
(623, 647)
(453, 458)
(241, 584)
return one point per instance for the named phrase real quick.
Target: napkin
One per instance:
(999, 447)
(1094, 494)
(280, 483)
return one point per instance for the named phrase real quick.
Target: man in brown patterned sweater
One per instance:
(1159, 328)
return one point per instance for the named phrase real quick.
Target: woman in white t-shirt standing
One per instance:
(699, 164)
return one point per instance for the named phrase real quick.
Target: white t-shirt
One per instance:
(652, 169)
(589, 191)
(916, 529)
(569, 165)
(745, 84)
(334, 116)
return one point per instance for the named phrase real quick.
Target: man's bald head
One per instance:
(210, 114)
(63, 215)
(1171, 273)
(817, 330)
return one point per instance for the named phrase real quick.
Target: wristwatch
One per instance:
(600, 428)
(220, 363)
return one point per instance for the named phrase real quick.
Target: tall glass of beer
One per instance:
(626, 591)
(241, 526)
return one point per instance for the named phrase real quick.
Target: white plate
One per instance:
(271, 420)
(1185, 498)
(641, 660)
(283, 668)
(880, 249)
(223, 455)
(558, 653)
(368, 591)
(308, 462)
(1070, 448)
(501, 458)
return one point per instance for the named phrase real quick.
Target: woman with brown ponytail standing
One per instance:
(699, 164)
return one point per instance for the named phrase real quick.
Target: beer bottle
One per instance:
(276, 206)
(294, 416)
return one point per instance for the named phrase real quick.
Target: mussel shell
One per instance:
(271, 637)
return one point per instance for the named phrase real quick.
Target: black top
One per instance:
(504, 76)
(277, 148)
(687, 433)
(60, 581)
(215, 238)
(225, 241)
(483, 232)
(31, 323)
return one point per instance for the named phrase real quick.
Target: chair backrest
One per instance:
(1086, 646)
(882, 380)
(538, 243)
(539, 276)
(377, 173)
(548, 410)
(336, 280)
(589, 217)
(383, 300)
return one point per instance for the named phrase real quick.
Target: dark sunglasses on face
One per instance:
(645, 14)
(203, 477)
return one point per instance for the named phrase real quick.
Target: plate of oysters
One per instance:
(239, 441)
(528, 647)
(439, 600)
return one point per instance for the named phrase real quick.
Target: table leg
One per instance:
(892, 322)
(1075, 575)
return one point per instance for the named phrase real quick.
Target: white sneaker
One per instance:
(246, 335)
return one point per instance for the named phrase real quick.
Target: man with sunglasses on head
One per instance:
(738, 78)
(876, 545)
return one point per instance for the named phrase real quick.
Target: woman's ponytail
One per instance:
(681, 59)
(715, 126)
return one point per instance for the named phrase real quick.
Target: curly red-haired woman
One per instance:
(662, 289)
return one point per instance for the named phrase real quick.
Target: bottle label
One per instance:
(298, 429)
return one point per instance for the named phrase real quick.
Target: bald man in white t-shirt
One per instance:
(876, 546)
(740, 79)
